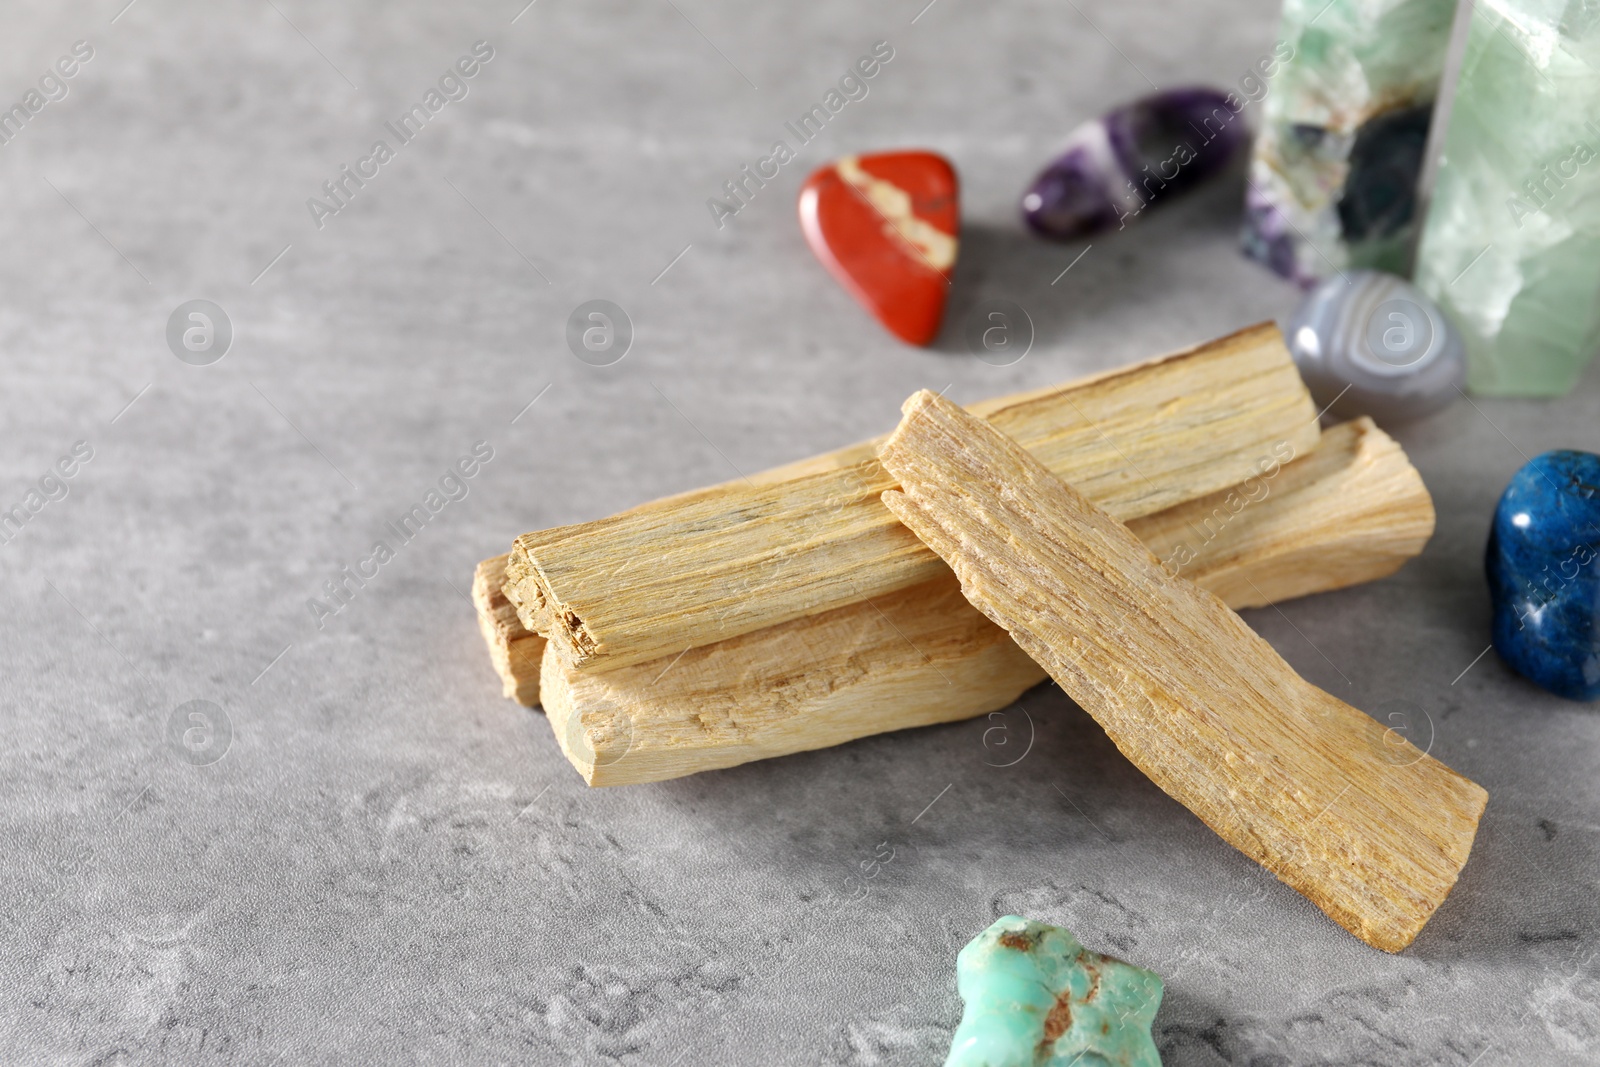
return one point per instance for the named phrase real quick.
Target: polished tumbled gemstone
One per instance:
(1035, 996)
(1132, 158)
(1344, 125)
(1512, 244)
(886, 228)
(1544, 578)
(1368, 343)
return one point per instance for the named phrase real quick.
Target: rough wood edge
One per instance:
(924, 656)
(514, 650)
(1281, 770)
(782, 564)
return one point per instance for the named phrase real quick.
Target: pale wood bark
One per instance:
(1372, 832)
(1353, 510)
(711, 566)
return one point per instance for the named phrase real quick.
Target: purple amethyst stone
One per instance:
(1133, 157)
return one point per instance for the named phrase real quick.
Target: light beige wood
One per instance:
(924, 655)
(708, 567)
(1293, 777)
(1352, 511)
(838, 459)
(514, 650)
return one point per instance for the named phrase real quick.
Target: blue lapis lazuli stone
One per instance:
(1544, 573)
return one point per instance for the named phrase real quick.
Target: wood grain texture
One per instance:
(1371, 832)
(514, 650)
(1352, 510)
(923, 655)
(532, 615)
(711, 566)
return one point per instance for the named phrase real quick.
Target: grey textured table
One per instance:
(390, 862)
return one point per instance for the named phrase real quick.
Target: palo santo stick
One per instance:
(514, 650)
(924, 655)
(1289, 775)
(1352, 511)
(688, 572)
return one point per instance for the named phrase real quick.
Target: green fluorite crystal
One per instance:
(1511, 250)
(1035, 996)
(1333, 181)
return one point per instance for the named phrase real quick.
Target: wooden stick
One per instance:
(1289, 775)
(692, 571)
(514, 650)
(1353, 510)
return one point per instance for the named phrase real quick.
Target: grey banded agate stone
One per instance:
(1375, 345)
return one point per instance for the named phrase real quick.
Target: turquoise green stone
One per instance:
(1345, 115)
(1511, 250)
(1035, 997)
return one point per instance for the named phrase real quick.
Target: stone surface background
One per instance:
(390, 862)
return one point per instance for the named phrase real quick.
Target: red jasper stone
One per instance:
(885, 227)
